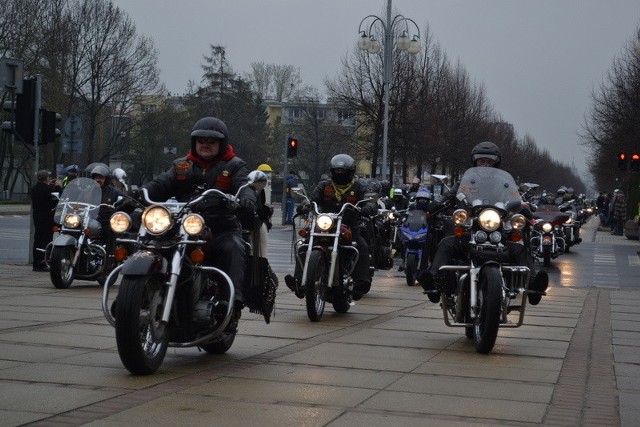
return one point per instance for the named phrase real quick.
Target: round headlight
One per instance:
(460, 217)
(193, 224)
(495, 237)
(518, 221)
(72, 221)
(156, 220)
(489, 219)
(547, 227)
(481, 236)
(324, 223)
(119, 222)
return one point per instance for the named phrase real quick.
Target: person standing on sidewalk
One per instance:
(290, 183)
(42, 208)
(619, 213)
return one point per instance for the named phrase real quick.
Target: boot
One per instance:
(292, 283)
(427, 281)
(360, 288)
(538, 284)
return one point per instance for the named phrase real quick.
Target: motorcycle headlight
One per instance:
(193, 224)
(460, 217)
(156, 220)
(72, 221)
(481, 236)
(489, 219)
(569, 221)
(119, 222)
(547, 227)
(324, 223)
(495, 237)
(518, 221)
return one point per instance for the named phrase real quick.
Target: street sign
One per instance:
(11, 74)
(73, 127)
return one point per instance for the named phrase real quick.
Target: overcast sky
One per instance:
(538, 60)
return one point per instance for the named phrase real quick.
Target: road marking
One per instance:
(634, 261)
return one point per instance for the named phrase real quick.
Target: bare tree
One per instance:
(111, 65)
(272, 81)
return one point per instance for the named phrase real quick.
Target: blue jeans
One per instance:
(291, 204)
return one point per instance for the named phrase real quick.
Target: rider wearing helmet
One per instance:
(485, 154)
(119, 180)
(263, 211)
(399, 200)
(211, 163)
(330, 195)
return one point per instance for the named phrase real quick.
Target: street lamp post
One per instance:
(368, 42)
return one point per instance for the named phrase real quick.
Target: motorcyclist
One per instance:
(119, 180)
(484, 154)
(330, 195)
(212, 163)
(102, 175)
(422, 201)
(400, 201)
(264, 212)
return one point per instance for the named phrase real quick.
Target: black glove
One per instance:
(302, 209)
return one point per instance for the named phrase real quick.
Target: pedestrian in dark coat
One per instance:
(43, 204)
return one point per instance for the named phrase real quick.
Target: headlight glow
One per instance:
(460, 217)
(193, 224)
(518, 221)
(119, 222)
(489, 219)
(156, 220)
(72, 221)
(324, 223)
(547, 227)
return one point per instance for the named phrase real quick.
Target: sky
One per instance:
(539, 61)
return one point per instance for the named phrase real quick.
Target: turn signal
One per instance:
(458, 231)
(346, 237)
(515, 237)
(197, 256)
(119, 254)
(55, 228)
(303, 232)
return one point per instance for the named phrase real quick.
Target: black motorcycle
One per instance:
(77, 252)
(167, 296)
(486, 283)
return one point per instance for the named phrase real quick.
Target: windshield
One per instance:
(79, 195)
(486, 186)
(416, 220)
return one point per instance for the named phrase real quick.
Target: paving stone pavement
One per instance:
(389, 361)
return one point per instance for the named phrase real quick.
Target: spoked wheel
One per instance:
(141, 338)
(410, 269)
(490, 304)
(61, 267)
(315, 287)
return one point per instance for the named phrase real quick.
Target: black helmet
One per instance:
(346, 162)
(486, 150)
(210, 127)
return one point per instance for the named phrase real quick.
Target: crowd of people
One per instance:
(211, 162)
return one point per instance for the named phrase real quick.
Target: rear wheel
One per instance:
(316, 286)
(410, 270)
(61, 267)
(489, 304)
(141, 338)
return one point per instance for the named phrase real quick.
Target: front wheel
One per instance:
(546, 257)
(316, 286)
(141, 338)
(61, 266)
(410, 269)
(490, 305)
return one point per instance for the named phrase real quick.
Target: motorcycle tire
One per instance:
(410, 268)
(490, 306)
(141, 343)
(221, 345)
(546, 258)
(61, 268)
(316, 286)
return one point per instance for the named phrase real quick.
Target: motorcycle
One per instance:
(77, 252)
(378, 231)
(167, 296)
(413, 233)
(571, 225)
(547, 238)
(486, 285)
(328, 256)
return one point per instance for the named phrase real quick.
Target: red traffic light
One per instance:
(635, 157)
(622, 156)
(292, 147)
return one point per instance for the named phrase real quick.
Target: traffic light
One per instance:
(24, 110)
(634, 162)
(49, 126)
(292, 147)
(622, 161)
